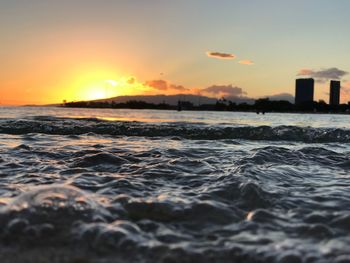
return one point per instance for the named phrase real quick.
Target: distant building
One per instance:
(334, 93)
(304, 90)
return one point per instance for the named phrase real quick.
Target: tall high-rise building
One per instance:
(334, 93)
(304, 90)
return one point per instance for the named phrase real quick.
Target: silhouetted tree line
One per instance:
(260, 105)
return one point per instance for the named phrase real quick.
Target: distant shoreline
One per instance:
(260, 106)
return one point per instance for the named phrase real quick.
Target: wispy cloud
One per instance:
(223, 91)
(214, 91)
(220, 55)
(158, 84)
(323, 75)
(178, 87)
(164, 85)
(246, 62)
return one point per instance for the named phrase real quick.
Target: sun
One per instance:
(97, 94)
(99, 89)
(86, 84)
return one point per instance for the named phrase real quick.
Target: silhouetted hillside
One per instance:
(259, 106)
(173, 99)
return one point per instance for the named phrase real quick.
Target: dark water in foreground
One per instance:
(173, 187)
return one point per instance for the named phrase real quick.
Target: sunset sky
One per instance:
(82, 49)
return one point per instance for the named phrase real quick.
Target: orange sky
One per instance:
(83, 49)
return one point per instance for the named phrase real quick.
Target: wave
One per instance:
(195, 131)
(113, 200)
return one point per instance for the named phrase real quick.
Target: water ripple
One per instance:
(160, 199)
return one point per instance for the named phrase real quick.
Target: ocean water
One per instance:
(103, 185)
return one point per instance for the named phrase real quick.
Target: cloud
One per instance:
(223, 91)
(246, 62)
(220, 55)
(165, 86)
(324, 75)
(157, 84)
(178, 87)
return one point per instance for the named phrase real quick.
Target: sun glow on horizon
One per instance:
(96, 90)
(102, 84)
(96, 94)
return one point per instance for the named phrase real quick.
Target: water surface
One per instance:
(102, 185)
